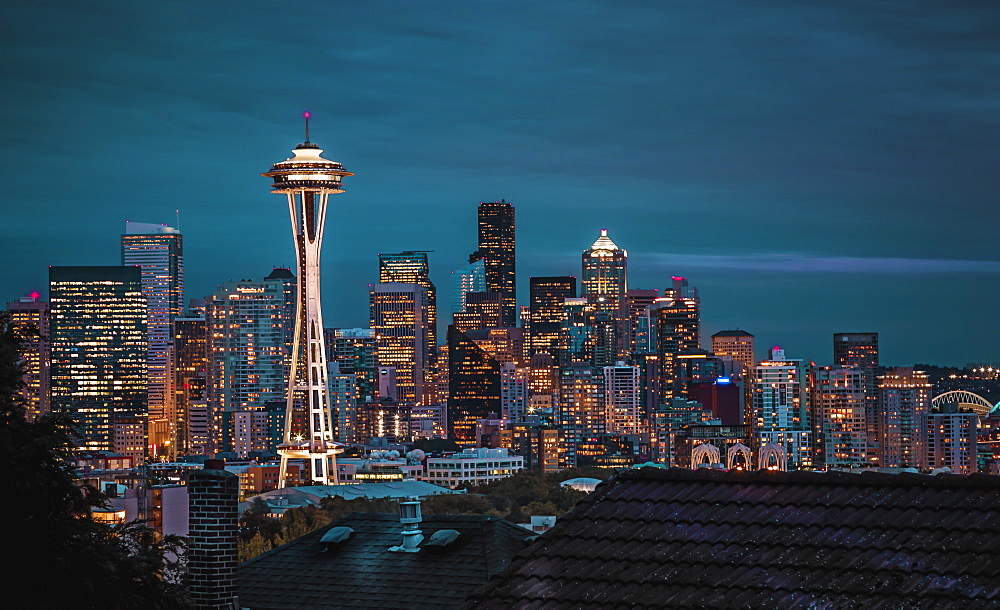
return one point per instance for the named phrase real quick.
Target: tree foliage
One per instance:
(62, 557)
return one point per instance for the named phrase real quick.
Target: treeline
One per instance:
(516, 498)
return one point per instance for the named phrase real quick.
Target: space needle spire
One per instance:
(307, 180)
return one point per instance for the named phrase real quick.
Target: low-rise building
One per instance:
(473, 466)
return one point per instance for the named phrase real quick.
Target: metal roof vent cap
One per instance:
(409, 512)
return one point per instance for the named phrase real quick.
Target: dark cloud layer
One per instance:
(775, 149)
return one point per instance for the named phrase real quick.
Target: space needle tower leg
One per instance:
(307, 180)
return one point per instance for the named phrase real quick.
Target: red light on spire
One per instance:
(34, 295)
(307, 115)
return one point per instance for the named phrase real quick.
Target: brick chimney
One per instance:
(213, 500)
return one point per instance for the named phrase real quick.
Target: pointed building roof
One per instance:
(604, 242)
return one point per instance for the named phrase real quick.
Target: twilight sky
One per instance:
(813, 167)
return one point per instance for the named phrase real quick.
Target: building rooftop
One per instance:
(675, 537)
(361, 571)
(732, 333)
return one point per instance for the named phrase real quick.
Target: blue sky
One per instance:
(812, 167)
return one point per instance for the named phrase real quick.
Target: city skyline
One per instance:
(812, 170)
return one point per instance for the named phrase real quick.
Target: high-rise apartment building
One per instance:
(497, 249)
(736, 344)
(949, 439)
(622, 399)
(860, 350)
(473, 387)
(840, 430)
(31, 317)
(158, 250)
(778, 408)
(513, 392)
(904, 397)
(604, 284)
(248, 353)
(98, 349)
(397, 314)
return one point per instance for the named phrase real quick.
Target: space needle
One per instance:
(307, 180)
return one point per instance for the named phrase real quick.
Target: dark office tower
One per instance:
(397, 313)
(31, 316)
(861, 350)
(676, 324)
(637, 301)
(605, 285)
(473, 387)
(546, 312)
(496, 248)
(191, 359)
(482, 311)
(413, 268)
(98, 342)
(159, 251)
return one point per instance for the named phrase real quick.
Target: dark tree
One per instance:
(60, 557)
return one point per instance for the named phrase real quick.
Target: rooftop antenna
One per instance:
(177, 213)
(306, 116)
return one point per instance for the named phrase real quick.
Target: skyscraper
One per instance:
(622, 399)
(497, 249)
(307, 180)
(473, 387)
(397, 314)
(904, 397)
(159, 251)
(605, 284)
(470, 278)
(675, 323)
(194, 433)
(736, 344)
(838, 417)
(778, 408)
(860, 350)
(247, 350)
(31, 316)
(413, 267)
(98, 343)
(546, 311)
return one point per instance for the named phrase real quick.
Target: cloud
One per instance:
(792, 263)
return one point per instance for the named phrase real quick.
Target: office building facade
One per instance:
(98, 349)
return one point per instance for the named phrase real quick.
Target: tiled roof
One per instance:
(361, 572)
(671, 538)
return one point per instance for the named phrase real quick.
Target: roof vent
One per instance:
(442, 538)
(334, 536)
(409, 514)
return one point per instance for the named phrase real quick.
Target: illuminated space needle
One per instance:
(307, 180)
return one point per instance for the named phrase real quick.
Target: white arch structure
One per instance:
(704, 453)
(739, 449)
(964, 398)
(778, 453)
